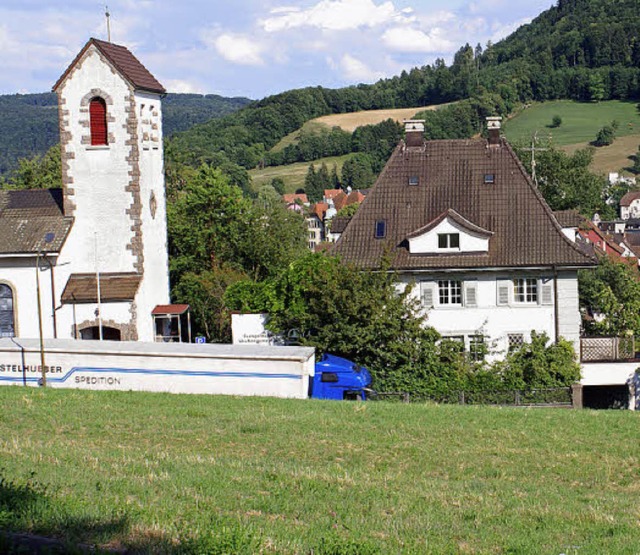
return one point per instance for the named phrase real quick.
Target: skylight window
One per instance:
(489, 178)
(381, 229)
(414, 180)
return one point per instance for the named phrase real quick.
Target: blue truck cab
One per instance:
(339, 378)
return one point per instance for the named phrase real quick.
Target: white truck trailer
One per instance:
(170, 367)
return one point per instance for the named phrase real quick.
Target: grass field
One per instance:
(580, 120)
(293, 174)
(198, 474)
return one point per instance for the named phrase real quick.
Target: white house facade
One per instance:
(466, 229)
(98, 246)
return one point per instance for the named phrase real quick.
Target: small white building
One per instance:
(465, 227)
(95, 250)
(630, 205)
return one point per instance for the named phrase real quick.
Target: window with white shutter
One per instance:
(546, 297)
(471, 293)
(426, 294)
(504, 286)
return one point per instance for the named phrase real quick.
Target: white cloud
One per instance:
(406, 39)
(239, 49)
(355, 70)
(335, 15)
(183, 86)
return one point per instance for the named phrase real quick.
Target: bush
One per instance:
(605, 136)
(556, 122)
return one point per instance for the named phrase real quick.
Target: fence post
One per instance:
(405, 397)
(576, 396)
(517, 397)
(461, 398)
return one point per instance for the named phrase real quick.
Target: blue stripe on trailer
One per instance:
(209, 374)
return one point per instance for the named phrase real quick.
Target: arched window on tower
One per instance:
(7, 320)
(98, 118)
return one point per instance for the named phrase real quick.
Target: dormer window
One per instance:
(98, 121)
(414, 180)
(448, 240)
(381, 229)
(489, 178)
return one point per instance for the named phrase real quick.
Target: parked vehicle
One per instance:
(339, 378)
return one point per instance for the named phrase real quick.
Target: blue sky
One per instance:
(249, 47)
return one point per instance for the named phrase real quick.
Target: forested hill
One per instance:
(585, 50)
(29, 122)
(591, 33)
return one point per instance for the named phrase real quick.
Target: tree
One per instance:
(636, 162)
(613, 291)
(207, 223)
(556, 121)
(605, 136)
(596, 87)
(357, 172)
(278, 184)
(203, 292)
(566, 182)
(39, 172)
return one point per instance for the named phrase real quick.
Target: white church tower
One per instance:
(114, 260)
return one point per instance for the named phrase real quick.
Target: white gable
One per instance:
(429, 241)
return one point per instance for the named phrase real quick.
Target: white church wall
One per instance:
(100, 174)
(154, 288)
(20, 275)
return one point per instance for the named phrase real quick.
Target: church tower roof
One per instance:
(124, 62)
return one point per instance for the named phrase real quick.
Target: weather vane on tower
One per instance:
(108, 15)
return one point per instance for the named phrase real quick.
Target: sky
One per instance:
(251, 48)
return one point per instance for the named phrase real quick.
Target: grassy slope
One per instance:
(351, 121)
(293, 174)
(580, 124)
(147, 469)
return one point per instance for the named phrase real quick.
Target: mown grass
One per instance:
(580, 120)
(293, 174)
(205, 474)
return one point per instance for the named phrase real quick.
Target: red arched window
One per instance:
(98, 117)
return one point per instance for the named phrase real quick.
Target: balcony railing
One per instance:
(608, 349)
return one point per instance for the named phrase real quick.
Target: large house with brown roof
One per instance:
(466, 228)
(93, 254)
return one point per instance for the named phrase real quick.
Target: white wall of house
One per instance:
(428, 242)
(631, 211)
(482, 311)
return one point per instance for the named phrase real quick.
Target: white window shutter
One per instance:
(471, 293)
(504, 287)
(546, 296)
(426, 294)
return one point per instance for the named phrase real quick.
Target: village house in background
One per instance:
(322, 224)
(91, 258)
(467, 229)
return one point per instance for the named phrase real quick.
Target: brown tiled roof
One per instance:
(331, 193)
(453, 215)
(124, 62)
(569, 218)
(27, 217)
(114, 287)
(163, 309)
(339, 224)
(451, 176)
(320, 209)
(295, 197)
(627, 199)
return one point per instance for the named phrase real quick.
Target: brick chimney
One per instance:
(493, 125)
(414, 132)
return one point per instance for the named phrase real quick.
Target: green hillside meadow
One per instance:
(580, 120)
(203, 474)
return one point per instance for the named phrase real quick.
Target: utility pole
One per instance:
(533, 150)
